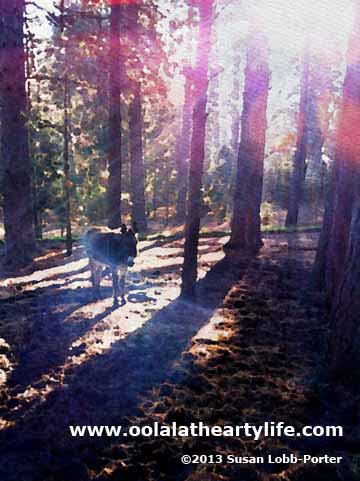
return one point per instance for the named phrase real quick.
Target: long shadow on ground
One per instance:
(49, 338)
(106, 388)
(260, 370)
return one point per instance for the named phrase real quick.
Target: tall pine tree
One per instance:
(189, 271)
(246, 226)
(17, 203)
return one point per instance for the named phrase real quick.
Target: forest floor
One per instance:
(249, 350)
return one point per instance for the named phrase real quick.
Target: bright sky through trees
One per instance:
(285, 22)
(288, 23)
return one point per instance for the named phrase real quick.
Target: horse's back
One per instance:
(104, 246)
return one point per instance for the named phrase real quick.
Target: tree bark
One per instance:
(246, 224)
(17, 203)
(37, 221)
(344, 342)
(212, 146)
(114, 155)
(66, 105)
(344, 248)
(347, 159)
(235, 130)
(67, 181)
(189, 271)
(321, 258)
(299, 170)
(183, 151)
(235, 122)
(137, 171)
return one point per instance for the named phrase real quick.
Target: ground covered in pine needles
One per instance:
(248, 351)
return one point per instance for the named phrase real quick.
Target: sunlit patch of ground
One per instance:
(252, 361)
(247, 357)
(47, 274)
(152, 284)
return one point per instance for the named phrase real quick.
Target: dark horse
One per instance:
(116, 251)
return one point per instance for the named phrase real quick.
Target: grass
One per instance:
(270, 229)
(284, 230)
(58, 239)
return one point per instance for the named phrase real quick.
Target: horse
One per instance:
(115, 251)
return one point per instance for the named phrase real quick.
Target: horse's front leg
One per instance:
(115, 280)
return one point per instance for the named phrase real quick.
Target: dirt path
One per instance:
(248, 350)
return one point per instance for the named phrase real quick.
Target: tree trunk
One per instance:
(212, 147)
(246, 224)
(299, 171)
(347, 159)
(114, 156)
(36, 210)
(235, 122)
(17, 203)
(341, 221)
(344, 342)
(321, 259)
(167, 196)
(344, 248)
(235, 130)
(137, 171)
(183, 152)
(189, 271)
(155, 196)
(37, 222)
(67, 180)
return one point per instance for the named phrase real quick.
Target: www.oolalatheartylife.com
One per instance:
(283, 459)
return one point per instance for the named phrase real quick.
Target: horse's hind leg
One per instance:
(96, 271)
(115, 280)
(123, 270)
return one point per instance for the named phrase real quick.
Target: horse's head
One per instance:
(130, 244)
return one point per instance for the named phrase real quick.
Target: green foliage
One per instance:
(158, 42)
(218, 184)
(79, 55)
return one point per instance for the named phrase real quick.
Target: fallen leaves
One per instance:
(80, 359)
